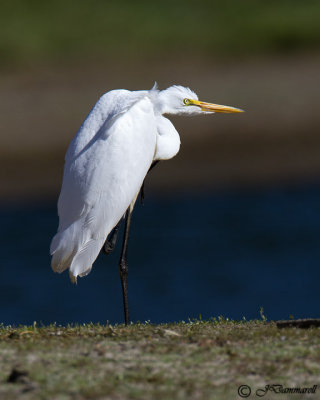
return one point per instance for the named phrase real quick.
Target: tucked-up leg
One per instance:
(110, 243)
(123, 266)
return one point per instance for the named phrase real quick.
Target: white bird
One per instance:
(105, 166)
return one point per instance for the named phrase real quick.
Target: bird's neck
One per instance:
(168, 139)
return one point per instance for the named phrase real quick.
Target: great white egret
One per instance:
(123, 136)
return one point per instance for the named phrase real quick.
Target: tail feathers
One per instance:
(74, 278)
(82, 262)
(63, 248)
(78, 255)
(61, 256)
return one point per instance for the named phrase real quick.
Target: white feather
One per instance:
(100, 181)
(105, 166)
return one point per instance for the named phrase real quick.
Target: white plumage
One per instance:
(106, 164)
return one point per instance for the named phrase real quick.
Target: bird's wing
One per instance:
(99, 184)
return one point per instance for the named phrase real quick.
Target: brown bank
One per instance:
(276, 140)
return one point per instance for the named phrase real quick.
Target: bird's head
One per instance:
(183, 101)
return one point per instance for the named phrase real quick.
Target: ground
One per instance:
(193, 360)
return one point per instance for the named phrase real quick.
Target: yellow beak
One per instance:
(214, 107)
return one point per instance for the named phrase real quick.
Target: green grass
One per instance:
(37, 31)
(196, 360)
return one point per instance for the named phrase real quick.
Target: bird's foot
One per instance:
(108, 247)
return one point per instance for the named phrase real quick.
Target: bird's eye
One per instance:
(186, 102)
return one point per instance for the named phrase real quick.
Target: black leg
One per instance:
(110, 243)
(153, 165)
(142, 194)
(142, 187)
(123, 266)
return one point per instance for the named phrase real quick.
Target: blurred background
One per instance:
(232, 223)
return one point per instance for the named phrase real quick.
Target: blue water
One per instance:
(224, 253)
